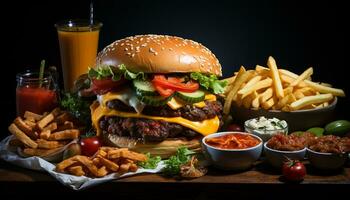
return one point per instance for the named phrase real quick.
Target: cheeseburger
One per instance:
(156, 93)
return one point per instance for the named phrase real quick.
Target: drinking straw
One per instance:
(41, 73)
(91, 13)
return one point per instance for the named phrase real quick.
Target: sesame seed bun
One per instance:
(160, 54)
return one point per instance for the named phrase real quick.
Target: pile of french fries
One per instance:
(277, 89)
(43, 135)
(106, 160)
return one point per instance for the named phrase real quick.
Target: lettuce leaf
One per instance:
(106, 71)
(173, 164)
(151, 163)
(210, 82)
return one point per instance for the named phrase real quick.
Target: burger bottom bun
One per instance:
(164, 149)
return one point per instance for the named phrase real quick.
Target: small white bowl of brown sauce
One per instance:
(232, 150)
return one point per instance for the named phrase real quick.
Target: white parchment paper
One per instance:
(10, 155)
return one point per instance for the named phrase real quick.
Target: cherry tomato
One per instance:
(105, 85)
(90, 145)
(234, 127)
(293, 170)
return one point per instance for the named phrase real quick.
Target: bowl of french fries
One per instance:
(273, 92)
(45, 136)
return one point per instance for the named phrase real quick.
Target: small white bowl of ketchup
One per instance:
(232, 150)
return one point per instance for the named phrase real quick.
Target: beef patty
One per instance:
(147, 129)
(190, 112)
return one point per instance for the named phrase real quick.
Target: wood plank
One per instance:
(260, 174)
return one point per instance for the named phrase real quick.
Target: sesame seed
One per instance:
(144, 44)
(126, 49)
(152, 50)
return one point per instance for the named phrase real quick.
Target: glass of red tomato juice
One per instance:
(35, 94)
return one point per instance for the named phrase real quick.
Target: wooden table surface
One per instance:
(259, 178)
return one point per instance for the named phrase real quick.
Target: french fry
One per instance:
(62, 118)
(107, 149)
(97, 162)
(288, 90)
(259, 85)
(230, 80)
(25, 128)
(242, 77)
(306, 91)
(51, 127)
(30, 116)
(256, 102)
(40, 152)
(65, 135)
(133, 167)
(326, 84)
(76, 170)
(22, 136)
(55, 112)
(45, 121)
(84, 160)
(275, 77)
(45, 134)
(311, 100)
(267, 94)
(60, 167)
(30, 123)
(324, 89)
(44, 144)
(109, 164)
(298, 94)
(247, 101)
(268, 104)
(101, 153)
(284, 101)
(252, 81)
(66, 125)
(125, 153)
(306, 74)
(102, 171)
(124, 168)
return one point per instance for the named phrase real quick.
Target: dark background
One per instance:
(298, 34)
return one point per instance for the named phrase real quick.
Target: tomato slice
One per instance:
(105, 85)
(164, 92)
(175, 84)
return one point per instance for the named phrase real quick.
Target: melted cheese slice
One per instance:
(126, 96)
(175, 103)
(205, 127)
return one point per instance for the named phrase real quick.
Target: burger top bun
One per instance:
(160, 54)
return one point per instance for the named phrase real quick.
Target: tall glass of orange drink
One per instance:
(78, 41)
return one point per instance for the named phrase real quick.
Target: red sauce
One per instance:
(233, 141)
(37, 100)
